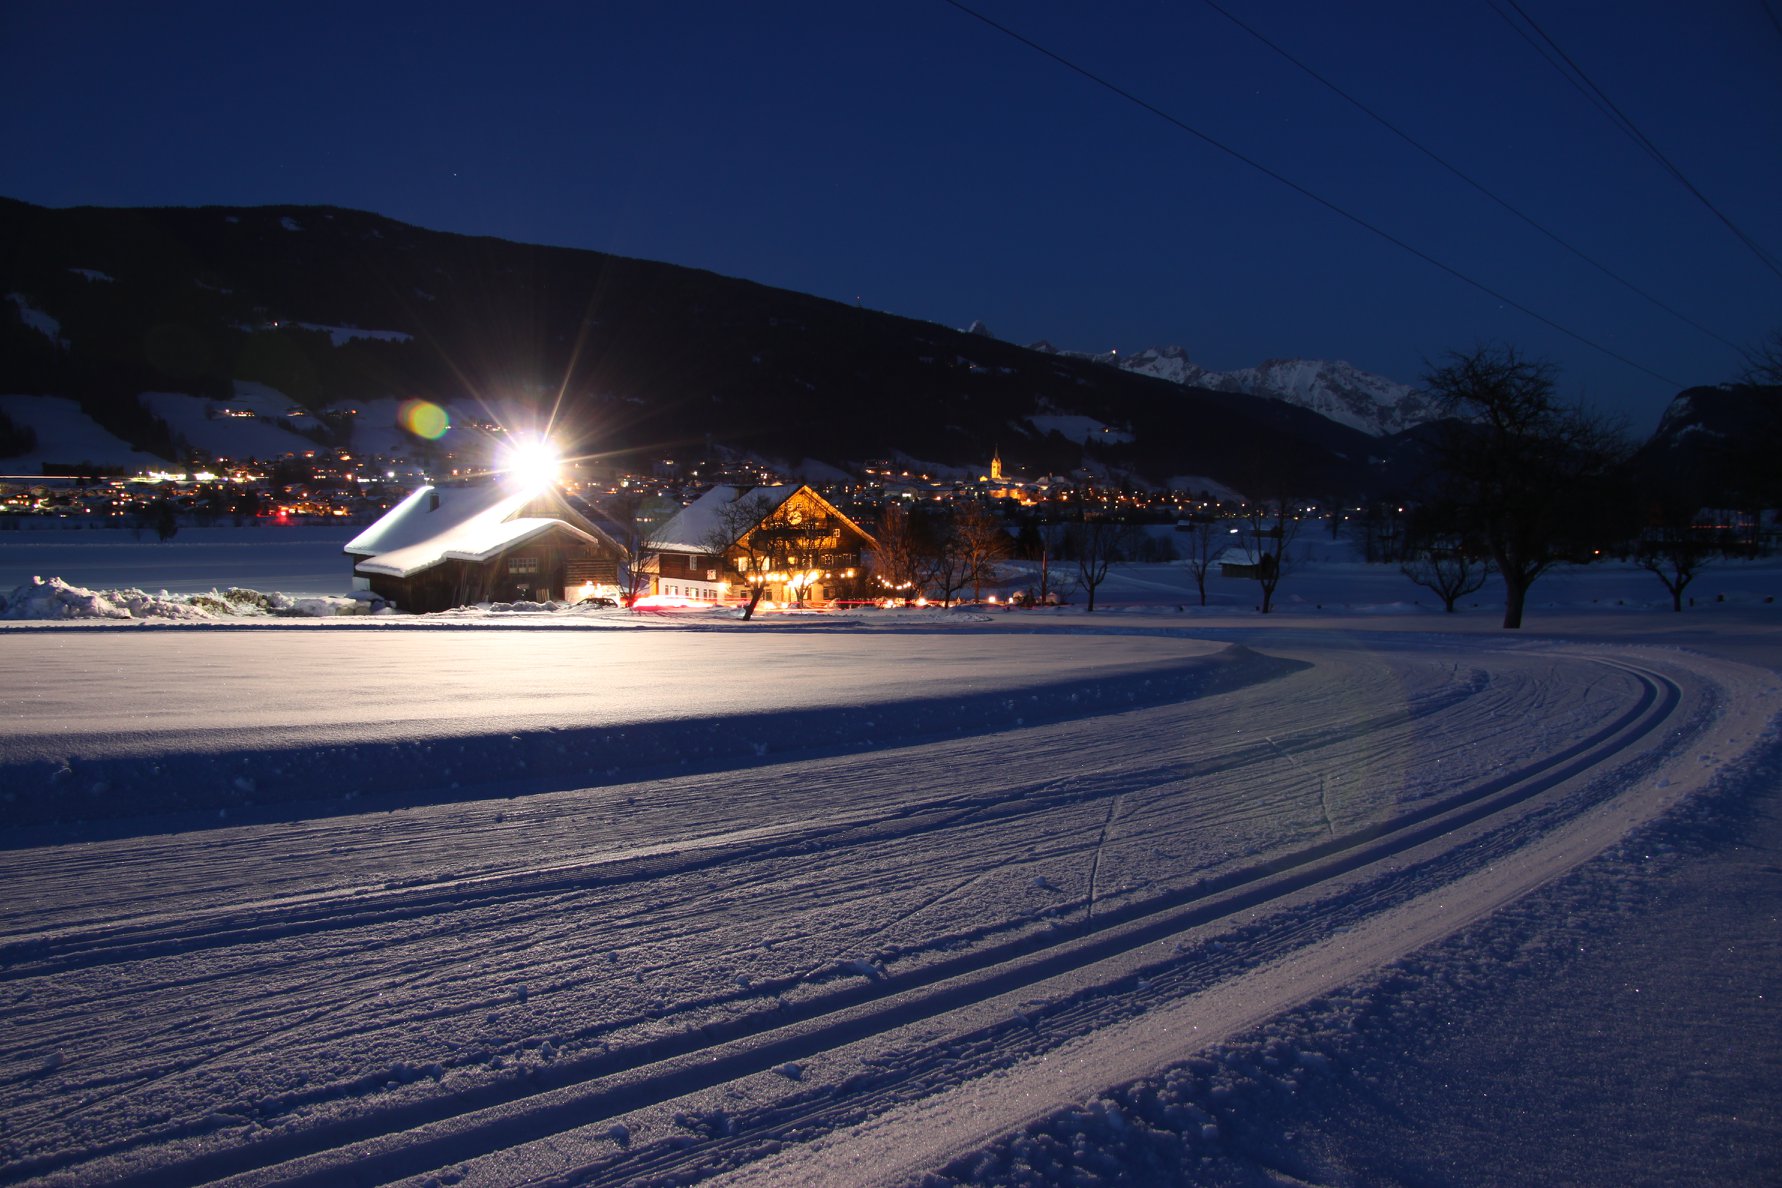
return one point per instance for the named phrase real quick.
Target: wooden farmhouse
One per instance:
(458, 545)
(787, 542)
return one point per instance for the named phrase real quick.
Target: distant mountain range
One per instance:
(151, 324)
(1373, 404)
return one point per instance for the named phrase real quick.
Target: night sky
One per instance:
(912, 158)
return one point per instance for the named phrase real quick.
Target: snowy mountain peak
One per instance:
(1334, 389)
(1167, 363)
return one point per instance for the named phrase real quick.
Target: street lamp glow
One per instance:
(530, 463)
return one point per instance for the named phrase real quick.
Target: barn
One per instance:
(455, 544)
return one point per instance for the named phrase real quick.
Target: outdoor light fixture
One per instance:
(530, 463)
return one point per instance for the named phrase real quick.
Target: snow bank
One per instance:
(331, 771)
(55, 599)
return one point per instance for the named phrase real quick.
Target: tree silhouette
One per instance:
(1520, 469)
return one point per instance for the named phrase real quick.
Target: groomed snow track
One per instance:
(860, 966)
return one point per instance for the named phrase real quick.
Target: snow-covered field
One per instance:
(1358, 893)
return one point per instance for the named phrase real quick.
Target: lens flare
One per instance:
(423, 418)
(530, 462)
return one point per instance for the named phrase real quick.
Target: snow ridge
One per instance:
(1334, 389)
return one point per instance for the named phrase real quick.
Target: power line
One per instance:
(1474, 183)
(1306, 193)
(1620, 119)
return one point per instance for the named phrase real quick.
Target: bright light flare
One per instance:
(530, 463)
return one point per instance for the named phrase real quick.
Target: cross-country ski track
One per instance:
(868, 931)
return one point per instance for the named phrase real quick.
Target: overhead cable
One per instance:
(1307, 193)
(1575, 74)
(1474, 183)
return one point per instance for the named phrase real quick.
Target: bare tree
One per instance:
(1098, 542)
(981, 543)
(1052, 538)
(896, 553)
(634, 527)
(1205, 543)
(1518, 465)
(1450, 571)
(1673, 552)
(945, 568)
(1383, 534)
(1763, 362)
(1269, 530)
(745, 533)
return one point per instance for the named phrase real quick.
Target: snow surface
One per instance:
(1359, 893)
(39, 321)
(261, 436)
(1332, 388)
(1073, 427)
(65, 435)
(298, 559)
(377, 430)
(341, 335)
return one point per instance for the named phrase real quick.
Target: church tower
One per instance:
(995, 465)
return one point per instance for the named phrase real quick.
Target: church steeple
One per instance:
(995, 464)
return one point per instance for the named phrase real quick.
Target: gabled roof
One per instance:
(692, 529)
(464, 523)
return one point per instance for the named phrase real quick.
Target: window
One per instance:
(522, 564)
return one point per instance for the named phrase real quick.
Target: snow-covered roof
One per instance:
(475, 542)
(693, 527)
(462, 523)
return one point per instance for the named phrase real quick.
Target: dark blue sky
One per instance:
(910, 157)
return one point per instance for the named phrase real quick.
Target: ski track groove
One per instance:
(1000, 1044)
(1101, 842)
(942, 1065)
(469, 914)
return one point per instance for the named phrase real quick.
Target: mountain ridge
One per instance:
(1334, 388)
(629, 358)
